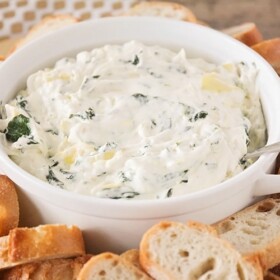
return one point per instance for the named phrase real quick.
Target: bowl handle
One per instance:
(267, 184)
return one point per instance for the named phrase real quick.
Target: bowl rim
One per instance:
(40, 188)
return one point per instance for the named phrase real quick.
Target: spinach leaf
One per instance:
(87, 115)
(17, 128)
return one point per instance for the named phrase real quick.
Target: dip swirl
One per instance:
(134, 121)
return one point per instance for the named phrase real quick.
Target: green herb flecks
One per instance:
(244, 163)
(55, 164)
(52, 179)
(31, 140)
(126, 176)
(127, 195)
(53, 132)
(143, 99)
(136, 60)
(199, 115)
(17, 127)
(183, 174)
(87, 115)
(169, 192)
(118, 193)
(107, 147)
(184, 181)
(21, 102)
(69, 175)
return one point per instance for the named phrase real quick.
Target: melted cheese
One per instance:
(134, 121)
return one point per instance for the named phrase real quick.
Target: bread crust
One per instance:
(273, 273)
(102, 264)
(152, 260)
(26, 245)
(248, 33)
(45, 242)
(9, 206)
(270, 50)
(269, 255)
(56, 269)
(271, 276)
(158, 6)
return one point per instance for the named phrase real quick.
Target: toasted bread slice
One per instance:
(248, 33)
(46, 25)
(9, 207)
(255, 230)
(57, 269)
(112, 267)
(171, 250)
(162, 9)
(132, 256)
(25, 245)
(270, 50)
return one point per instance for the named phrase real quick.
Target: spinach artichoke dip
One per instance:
(134, 121)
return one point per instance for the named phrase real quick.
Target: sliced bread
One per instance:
(108, 266)
(172, 250)
(56, 269)
(132, 256)
(9, 207)
(25, 245)
(46, 25)
(248, 33)
(255, 230)
(270, 50)
(162, 9)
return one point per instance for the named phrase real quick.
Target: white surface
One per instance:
(120, 222)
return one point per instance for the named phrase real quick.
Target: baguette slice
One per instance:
(248, 33)
(171, 250)
(9, 207)
(132, 256)
(162, 9)
(46, 25)
(26, 245)
(112, 267)
(57, 269)
(270, 50)
(255, 230)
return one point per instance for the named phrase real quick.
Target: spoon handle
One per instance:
(266, 149)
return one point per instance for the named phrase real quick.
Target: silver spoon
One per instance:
(266, 149)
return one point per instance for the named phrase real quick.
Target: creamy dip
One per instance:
(134, 121)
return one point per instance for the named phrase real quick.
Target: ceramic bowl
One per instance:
(117, 225)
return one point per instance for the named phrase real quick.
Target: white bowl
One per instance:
(116, 224)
